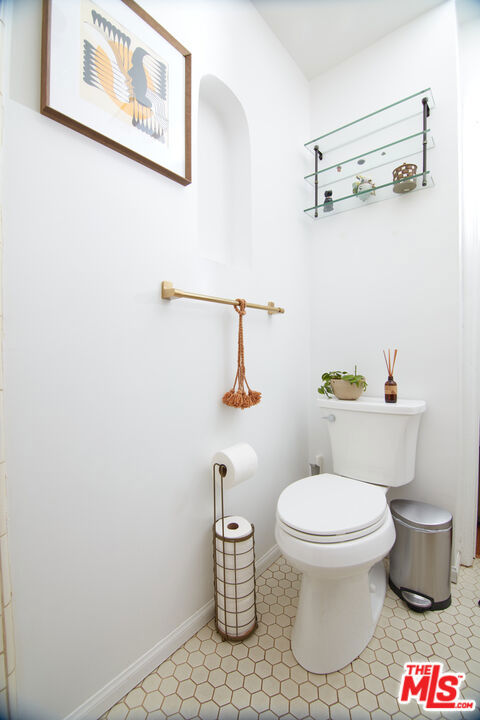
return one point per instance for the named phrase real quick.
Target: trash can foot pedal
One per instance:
(418, 602)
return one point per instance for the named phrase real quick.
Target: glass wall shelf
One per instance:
(371, 147)
(361, 199)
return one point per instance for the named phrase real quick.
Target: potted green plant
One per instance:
(345, 386)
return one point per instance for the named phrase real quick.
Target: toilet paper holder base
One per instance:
(233, 626)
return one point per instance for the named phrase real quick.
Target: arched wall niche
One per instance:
(224, 176)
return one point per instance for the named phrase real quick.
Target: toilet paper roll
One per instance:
(242, 604)
(231, 562)
(241, 462)
(239, 549)
(243, 632)
(235, 576)
(235, 527)
(241, 619)
(231, 591)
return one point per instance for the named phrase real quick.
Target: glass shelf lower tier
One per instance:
(382, 192)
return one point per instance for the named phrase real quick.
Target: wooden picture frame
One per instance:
(113, 73)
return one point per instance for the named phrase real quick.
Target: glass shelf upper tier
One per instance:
(382, 192)
(397, 120)
(404, 149)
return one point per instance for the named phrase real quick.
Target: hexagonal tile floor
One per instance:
(208, 678)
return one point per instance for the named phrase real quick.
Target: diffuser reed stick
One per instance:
(390, 385)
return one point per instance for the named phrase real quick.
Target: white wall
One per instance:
(388, 275)
(7, 644)
(468, 16)
(113, 396)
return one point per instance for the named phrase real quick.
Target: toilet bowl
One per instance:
(336, 528)
(339, 547)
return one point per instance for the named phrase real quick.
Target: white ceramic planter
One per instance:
(344, 390)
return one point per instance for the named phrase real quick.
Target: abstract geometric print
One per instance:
(122, 76)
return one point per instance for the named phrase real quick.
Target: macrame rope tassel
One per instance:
(237, 396)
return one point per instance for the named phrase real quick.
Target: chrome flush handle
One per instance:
(330, 418)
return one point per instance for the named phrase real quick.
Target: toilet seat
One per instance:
(331, 508)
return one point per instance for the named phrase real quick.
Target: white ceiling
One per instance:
(321, 33)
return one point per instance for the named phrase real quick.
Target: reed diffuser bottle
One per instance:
(390, 385)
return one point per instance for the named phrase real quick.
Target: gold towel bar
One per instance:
(169, 292)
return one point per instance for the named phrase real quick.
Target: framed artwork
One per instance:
(112, 73)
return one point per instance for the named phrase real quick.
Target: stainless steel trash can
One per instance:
(420, 557)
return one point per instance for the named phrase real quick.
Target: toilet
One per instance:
(336, 528)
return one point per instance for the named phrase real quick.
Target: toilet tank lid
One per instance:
(375, 405)
(421, 515)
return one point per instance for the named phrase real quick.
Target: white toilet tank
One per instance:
(372, 440)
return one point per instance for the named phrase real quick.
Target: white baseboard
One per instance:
(113, 691)
(455, 569)
(267, 559)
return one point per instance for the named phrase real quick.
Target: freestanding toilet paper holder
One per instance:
(234, 571)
